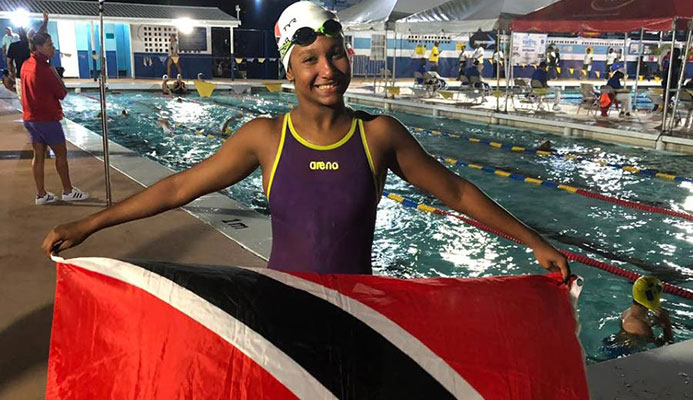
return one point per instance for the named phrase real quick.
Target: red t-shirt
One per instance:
(42, 90)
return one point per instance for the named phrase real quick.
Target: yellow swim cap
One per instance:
(647, 290)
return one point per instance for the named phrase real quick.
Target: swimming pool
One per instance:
(410, 243)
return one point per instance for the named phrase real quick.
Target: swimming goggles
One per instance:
(305, 36)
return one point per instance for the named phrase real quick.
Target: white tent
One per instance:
(465, 16)
(380, 15)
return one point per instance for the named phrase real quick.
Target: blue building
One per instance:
(136, 36)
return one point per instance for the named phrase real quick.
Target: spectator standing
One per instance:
(9, 38)
(19, 51)
(433, 58)
(173, 55)
(462, 60)
(587, 63)
(551, 59)
(496, 61)
(610, 60)
(43, 89)
(479, 56)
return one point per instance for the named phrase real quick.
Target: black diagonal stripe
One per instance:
(345, 355)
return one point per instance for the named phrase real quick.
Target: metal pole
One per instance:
(394, 62)
(637, 69)
(625, 59)
(681, 75)
(498, 67)
(104, 118)
(671, 65)
(509, 69)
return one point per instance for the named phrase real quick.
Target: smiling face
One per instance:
(320, 71)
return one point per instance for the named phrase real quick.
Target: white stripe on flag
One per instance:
(406, 342)
(264, 353)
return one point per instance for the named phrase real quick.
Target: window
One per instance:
(377, 47)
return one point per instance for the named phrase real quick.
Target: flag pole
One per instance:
(104, 118)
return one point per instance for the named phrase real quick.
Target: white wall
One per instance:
(68, 48)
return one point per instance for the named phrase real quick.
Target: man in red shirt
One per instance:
(42, 90)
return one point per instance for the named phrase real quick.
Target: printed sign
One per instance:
(528, 48)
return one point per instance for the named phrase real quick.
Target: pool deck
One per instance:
(28, 283)
(641, 129)
(28, 278)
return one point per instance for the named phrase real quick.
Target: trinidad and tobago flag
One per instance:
(163, 331)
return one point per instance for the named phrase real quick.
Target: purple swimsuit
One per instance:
(323, 201)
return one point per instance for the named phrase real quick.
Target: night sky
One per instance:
(258, 14)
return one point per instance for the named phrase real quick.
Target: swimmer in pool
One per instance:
(165, 89)
(179, 86)
(225, 127)
(324, 167)
(644, 314)
(164, 125)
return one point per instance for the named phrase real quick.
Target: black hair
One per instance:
(39, 39)
(542, 64)
(5, 72)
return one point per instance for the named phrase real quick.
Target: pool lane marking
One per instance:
(582, 259)
(567, 188)
(648, 172)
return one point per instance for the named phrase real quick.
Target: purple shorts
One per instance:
(48, 132)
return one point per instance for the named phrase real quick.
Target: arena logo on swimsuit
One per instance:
(324, 165)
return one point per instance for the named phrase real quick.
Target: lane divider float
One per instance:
(613, 269)
(567, 188)
(648, 172)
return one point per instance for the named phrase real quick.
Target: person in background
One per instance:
(165, 89)
(540, 80)
(644, 314)
(433, 58)
(173, 55)
(19, 51)
(43, 89)
(9, 38)
(610, 60)
(179, 86)
(620, 93)
(479, 56)
(552, 62)
(462, 60)
(7, 82)
(587, 63)
(675, 60)
(496, 61)
(645, 69)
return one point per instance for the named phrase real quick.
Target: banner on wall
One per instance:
(528, 48)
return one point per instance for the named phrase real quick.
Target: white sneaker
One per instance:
(45, 199)
(75, 195)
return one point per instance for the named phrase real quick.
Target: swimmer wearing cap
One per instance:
(644, 314)
(323, 166)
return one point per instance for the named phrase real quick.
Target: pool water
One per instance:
(410, 243)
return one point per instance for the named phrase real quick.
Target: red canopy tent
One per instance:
(606, 16)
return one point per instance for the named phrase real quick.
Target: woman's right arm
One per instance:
(235, 160)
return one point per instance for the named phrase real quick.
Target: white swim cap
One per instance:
(179, 76)
(200, 76)
(298, 15)
(164, 77)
